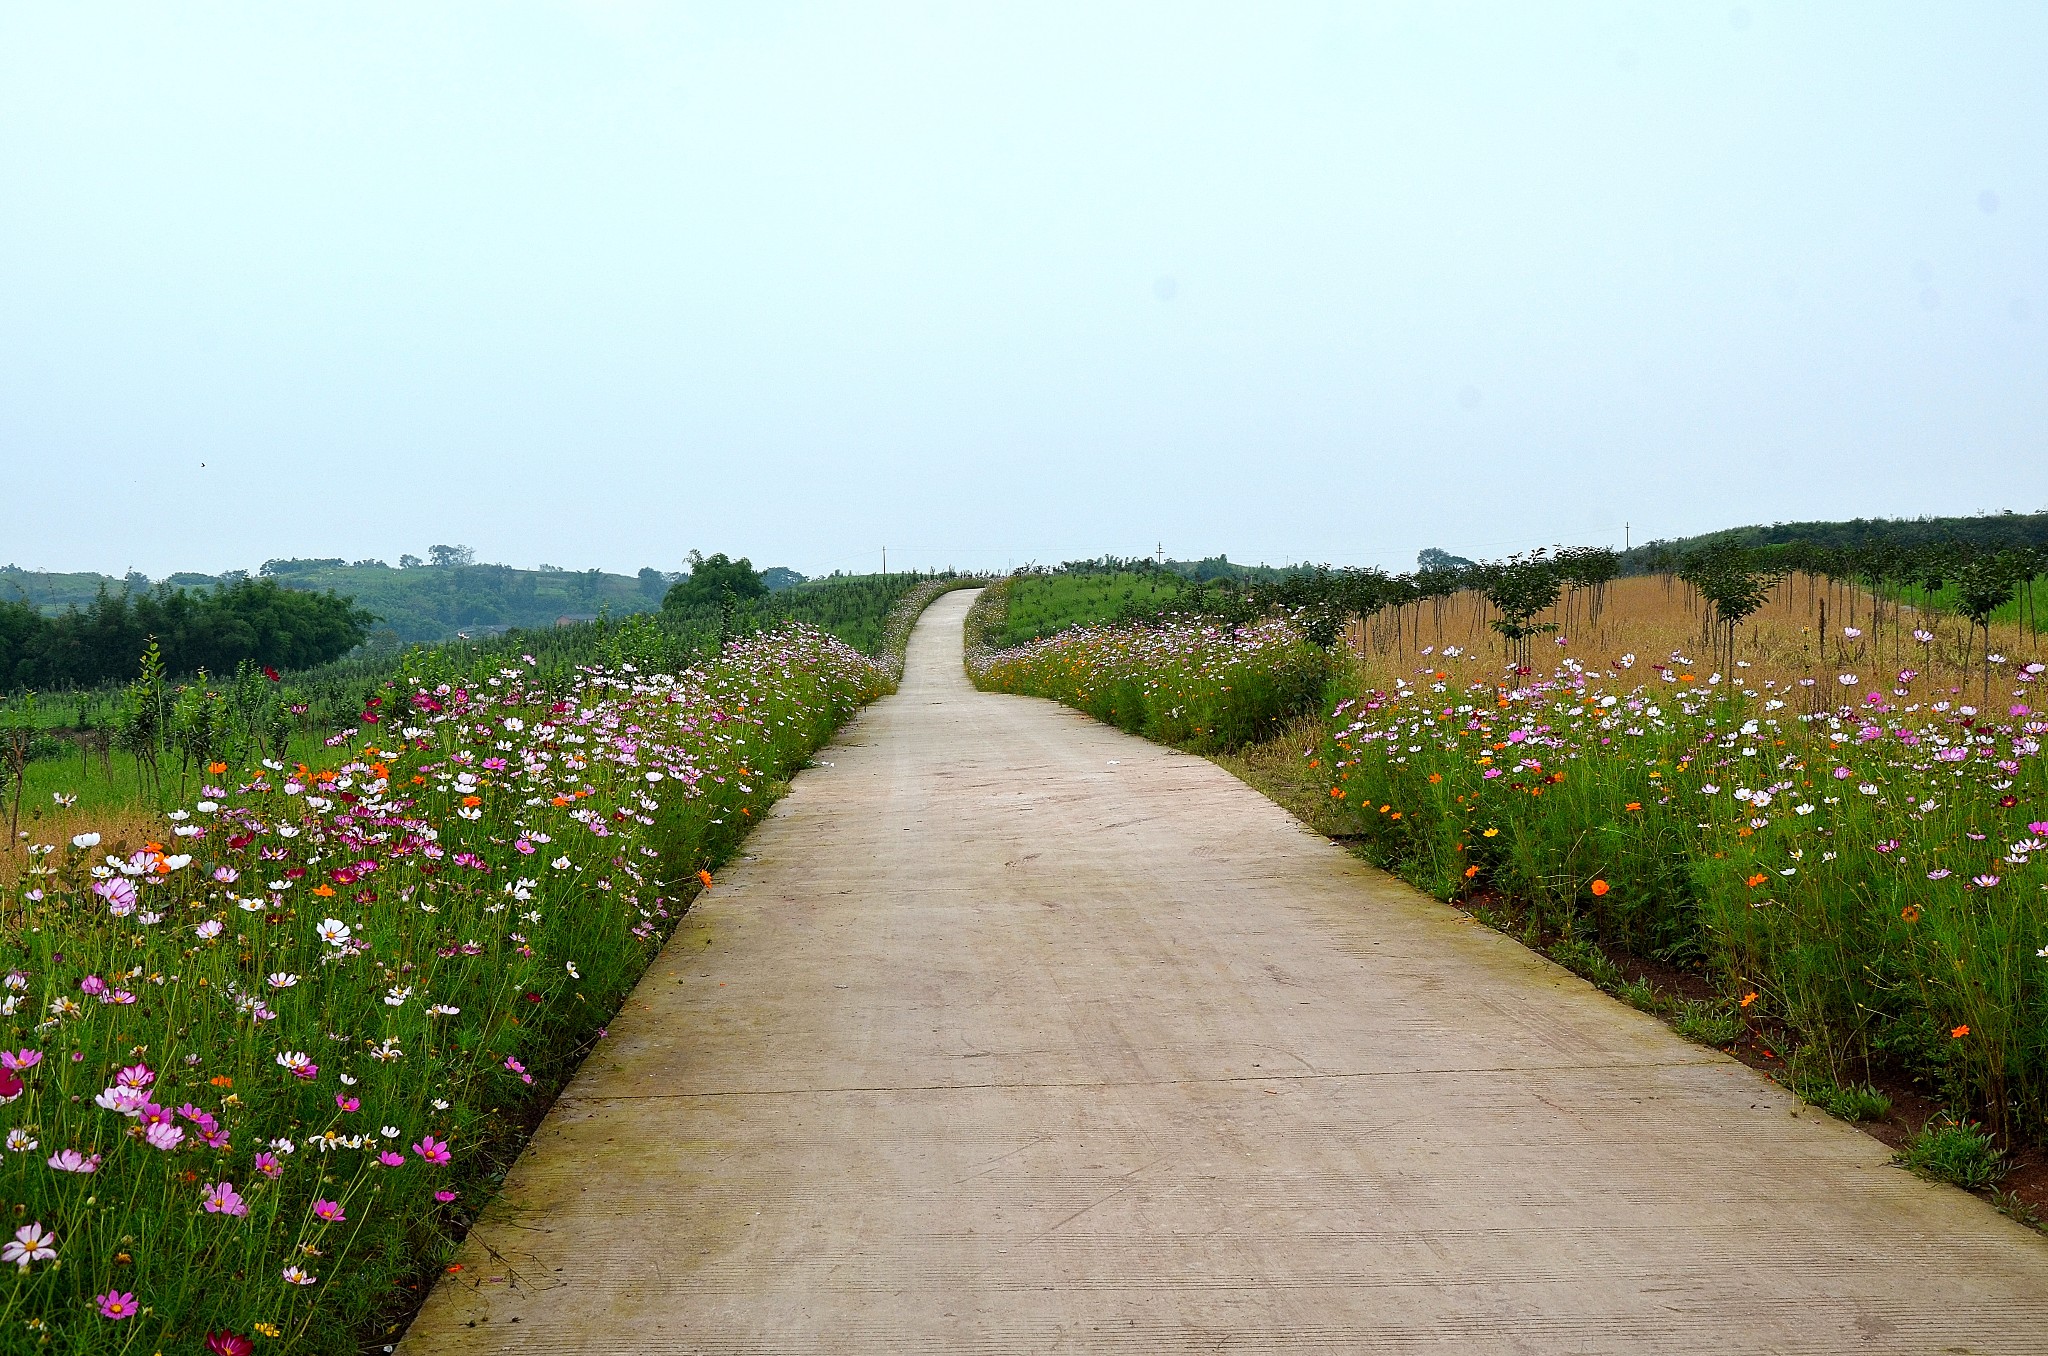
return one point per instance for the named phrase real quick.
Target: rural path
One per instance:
(1014, 1034)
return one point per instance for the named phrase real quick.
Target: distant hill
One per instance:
(1988, 530)
(412, 602)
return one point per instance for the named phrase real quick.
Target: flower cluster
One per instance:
(1188, 681)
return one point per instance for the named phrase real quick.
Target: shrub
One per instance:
(1955, 1152)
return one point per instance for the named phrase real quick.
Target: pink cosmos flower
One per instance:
(119, 892)
(432, 1151)
(329, 1211)
(269, 1165)
(21, 1061)
(164, 1137)
(117, 1304)
(31, 1243)
(346, 1102)
(223, 1199)
(296, 1275)
(70, 1160)
(444, 1196)
(391, 1160)
(135, 1076)
(92, 986)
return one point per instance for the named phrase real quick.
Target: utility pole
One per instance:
(1160, 555)
(885, 562)
(1624, 536)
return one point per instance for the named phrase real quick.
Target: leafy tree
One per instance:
(450, 555)
(711, 580)
(1436, 558)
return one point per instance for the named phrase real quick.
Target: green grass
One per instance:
(1948, 600)
(1041, 605)
(1958, 1153)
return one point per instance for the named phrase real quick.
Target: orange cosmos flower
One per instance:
(705, 876)
(1959, 1032)
(1747, 999)
(1599, 887)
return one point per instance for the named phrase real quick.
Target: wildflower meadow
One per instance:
(260, 1068)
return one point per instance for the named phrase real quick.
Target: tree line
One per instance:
(252, 620)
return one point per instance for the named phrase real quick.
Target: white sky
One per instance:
(596, 283)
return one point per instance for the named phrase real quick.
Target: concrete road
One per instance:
(1019, 1035)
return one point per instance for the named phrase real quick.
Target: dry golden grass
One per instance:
(117, 829)
(1798, 634)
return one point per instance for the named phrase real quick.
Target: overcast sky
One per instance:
(592, 284)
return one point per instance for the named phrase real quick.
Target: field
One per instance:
(269, 1042)
(1831, 817)
(1039, 605)
(88, 751)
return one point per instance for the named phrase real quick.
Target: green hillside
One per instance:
(413, 603)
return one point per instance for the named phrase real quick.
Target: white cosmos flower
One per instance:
(334, 932)
(85, 840)
(282, 979)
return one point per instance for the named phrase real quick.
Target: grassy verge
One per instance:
(1188, 682)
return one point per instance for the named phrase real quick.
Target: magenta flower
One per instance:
(21, 1061)
(444, 1196)
(135, 1076)
(391, 1160)
(92, 986)
(329, 1211)
(346, 1102)
(269, 1165)
(222, 1199)
(433, 1152)
(117, 1304)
